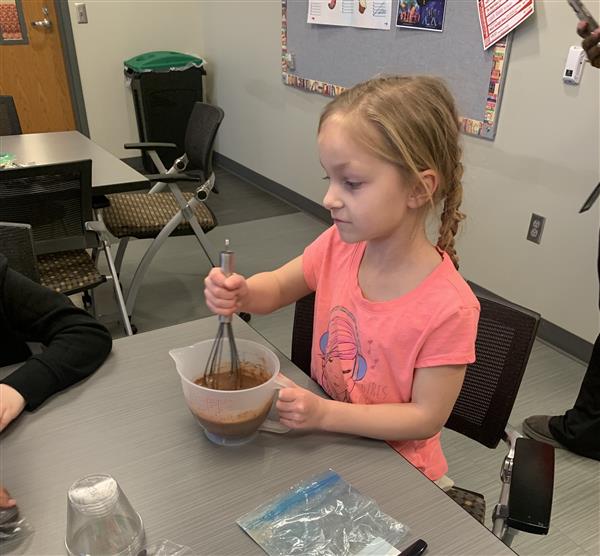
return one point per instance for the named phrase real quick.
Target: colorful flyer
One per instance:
(427, 15)
(369, 14)
(499, 17)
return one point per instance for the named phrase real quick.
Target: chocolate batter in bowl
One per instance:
(228, 416)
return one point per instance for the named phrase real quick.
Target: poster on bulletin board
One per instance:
(499, 17)
(326, 58)
(426, 16)
(368, 14)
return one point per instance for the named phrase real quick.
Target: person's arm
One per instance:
(76, 344)
(260, 294)
(590, 43)
(434, 393)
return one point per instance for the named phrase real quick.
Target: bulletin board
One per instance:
(326, 59)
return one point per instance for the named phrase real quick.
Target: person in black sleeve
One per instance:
(75, 343)
(578, 430)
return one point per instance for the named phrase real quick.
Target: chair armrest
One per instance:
(171, 178)
(531, 487)
(96, 226)
(149, 146)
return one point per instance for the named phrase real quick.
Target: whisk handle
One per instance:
(227, 262)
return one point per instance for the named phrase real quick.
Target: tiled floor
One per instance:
(172, 293)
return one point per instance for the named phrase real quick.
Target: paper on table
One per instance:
(378, 547)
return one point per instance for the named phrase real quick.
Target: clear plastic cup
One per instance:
(100, 519)
(229, 417)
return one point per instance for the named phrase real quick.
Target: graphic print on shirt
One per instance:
(342, 361)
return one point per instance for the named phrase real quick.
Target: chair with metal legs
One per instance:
(55, 200)
(160, 214)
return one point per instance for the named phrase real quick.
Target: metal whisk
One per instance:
(214, 366)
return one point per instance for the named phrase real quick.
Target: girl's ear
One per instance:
(423, 190)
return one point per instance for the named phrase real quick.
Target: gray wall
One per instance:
(545, 159)
(116, 31)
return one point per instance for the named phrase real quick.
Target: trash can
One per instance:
(165, 86)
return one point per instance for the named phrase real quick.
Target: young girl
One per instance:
(395, 323)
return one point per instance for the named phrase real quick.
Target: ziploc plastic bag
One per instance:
(323, 515)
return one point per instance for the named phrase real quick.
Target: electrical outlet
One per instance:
(536, 227)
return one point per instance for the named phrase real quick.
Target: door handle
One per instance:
(43, 23)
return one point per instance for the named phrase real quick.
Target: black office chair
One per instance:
(9, 118)
(16, 244)
(159, 214)
(55, 200)
(505, 337)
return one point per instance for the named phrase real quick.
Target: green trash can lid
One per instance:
(162, 60)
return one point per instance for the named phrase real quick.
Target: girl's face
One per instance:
(368, 197)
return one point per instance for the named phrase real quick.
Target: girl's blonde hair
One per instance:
(412, 123)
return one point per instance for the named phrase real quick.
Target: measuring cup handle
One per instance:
(269, 425)
(274, 426)
(280, 382)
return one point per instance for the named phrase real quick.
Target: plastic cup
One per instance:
(100, 519)
(229, 417)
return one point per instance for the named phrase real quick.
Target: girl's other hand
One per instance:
(224, 294)
(5, 500)
(298, 408)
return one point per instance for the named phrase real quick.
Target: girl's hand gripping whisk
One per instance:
(223, 358)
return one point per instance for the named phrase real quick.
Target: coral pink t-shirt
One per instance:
(366, 352)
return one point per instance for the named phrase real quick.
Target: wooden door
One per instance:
(34, 73)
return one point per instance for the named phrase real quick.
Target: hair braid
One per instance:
(451, 215)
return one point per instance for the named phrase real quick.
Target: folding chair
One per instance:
(504, 340)
(55, 200)
(159, 214)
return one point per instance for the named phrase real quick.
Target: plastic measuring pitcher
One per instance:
(229, 417)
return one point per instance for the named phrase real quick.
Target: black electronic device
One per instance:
(583, 14)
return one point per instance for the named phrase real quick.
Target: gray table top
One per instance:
(129, 420)
(109, 173)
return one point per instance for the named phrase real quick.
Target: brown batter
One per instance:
(250, 375)
(241, 424)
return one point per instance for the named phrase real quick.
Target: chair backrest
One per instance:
(302, 332)
(16, 244)
(200, 135)
(55, 199)
(9, 118)
(505, 337)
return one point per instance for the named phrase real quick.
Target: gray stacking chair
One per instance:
(504, 340)
(159, 214)
(9, 118)
(55, 200)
